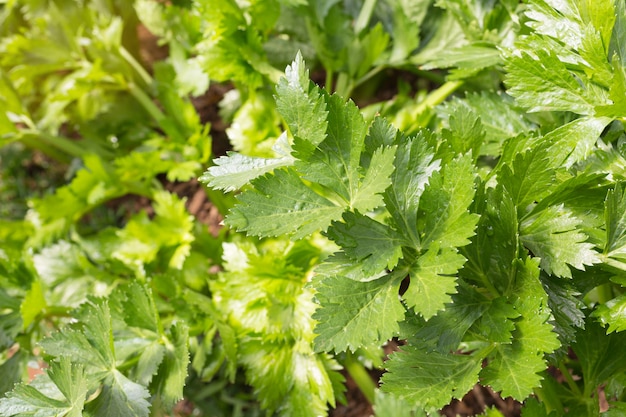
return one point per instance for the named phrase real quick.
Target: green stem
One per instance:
(58, 147)
(360, 376)
(147, 103)
(489, 285)
(570, 381)
(364, 16)
(328, 84)
(605, 293)
(438, 96)
(139, 69)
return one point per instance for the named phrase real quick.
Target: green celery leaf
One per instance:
(498, 223)
(391, 405)
(69, 393)
(235, 170)
(515, 367)
(498, 115)
(430, 379)
(567, 307)
(335, 162)
(618, 40)
(150, 358)
(170, 378)
(90, 341)
(71, 380)
(615, 219)
(553, 236)
(355, 314)
(573, 142)
(540, 81)
(120, 397)
(375, 181)
(302, 106)
(367, 242)
(600, 354)
(470, 58)
(445, 331)
(282, 204)
(465, 132)
(528, 178)
(444, 205)
(433, 280)
(496, 323)
(414, 166)
(33, 304)
(613, 313)
(138, 307)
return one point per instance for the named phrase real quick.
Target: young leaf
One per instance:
(302, 107)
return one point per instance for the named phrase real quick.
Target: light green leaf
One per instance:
(354, 314)
(540, 81)
(367, 242)
(573, 141)
(430, 379)
(613, 313)
(282, 204)
(302, 106)
(33, 304)
(170, 378)
(553, 236)
(387, 404)
(433, 280)
(235, 170)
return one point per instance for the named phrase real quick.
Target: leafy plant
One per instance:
(476, 218)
